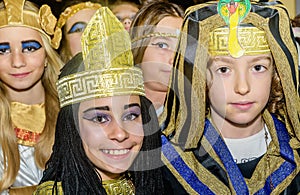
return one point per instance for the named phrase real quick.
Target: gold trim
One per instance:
(47, 188)
(70, 11)
(44, 21)
(100, 83)
(155, 34)
(121, 185)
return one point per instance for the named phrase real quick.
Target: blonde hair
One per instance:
(11, 156)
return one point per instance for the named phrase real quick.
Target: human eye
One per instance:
(95, 117)
(259, 68)
(30, 46)
(162, 45)
(130, 117)
(77, 27)
(131, 114)
(4, 48)
(223, 70)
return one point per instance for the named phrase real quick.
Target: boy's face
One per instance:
(239, 88)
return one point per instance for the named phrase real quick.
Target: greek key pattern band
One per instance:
(252, 40)
(98, 84)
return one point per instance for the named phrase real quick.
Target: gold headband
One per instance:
(252, 40)
(156, 34)
(109, 68)
(43, 21)
(70, 11)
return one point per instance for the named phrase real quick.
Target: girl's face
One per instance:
(158, 58)
(112, 133)
(22, 58)
(74, 28)
(239, 88)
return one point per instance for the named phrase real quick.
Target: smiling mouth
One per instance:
(21, 75)
(115, 152)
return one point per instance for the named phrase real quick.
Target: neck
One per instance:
(228, 129)
(156, 97)
(34, 95)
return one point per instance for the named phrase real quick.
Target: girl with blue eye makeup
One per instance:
(73, 18)
(29, 67)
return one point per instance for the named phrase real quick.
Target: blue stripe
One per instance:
(286, 152)
(182, 168)
(224, 154)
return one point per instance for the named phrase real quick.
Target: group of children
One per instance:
(205, 102)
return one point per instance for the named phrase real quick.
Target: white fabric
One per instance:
(159, 110)
(29, 173)
(246, 149)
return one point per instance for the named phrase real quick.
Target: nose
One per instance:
(117, 133)
(241, 85)
(172, 56)
(17, 59)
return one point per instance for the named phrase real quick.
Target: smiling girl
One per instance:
(28, 71)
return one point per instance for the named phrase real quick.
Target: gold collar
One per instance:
(121, 185)
(28, 122)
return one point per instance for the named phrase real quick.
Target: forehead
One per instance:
(113, 101)
(169, 24)
(23, 33)
(125, 7)
(82, 15)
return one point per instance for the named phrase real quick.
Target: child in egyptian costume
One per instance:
(232, 111)
(103, 71)
(29, 101)
(72, 20)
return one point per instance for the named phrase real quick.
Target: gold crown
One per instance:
(15, 15)
(109, 68)
(252, 40)
(71, 10)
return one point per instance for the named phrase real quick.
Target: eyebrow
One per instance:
(131, 105)
(4, 43)
(31, 41)
(97, 108)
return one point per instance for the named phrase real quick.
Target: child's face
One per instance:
(75, 26)
(158, 57)
(239, 88)
(125, 13)
(112, 133)
(22, 58)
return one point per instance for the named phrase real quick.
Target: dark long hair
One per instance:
(70, 165)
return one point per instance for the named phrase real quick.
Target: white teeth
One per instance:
(116, 152)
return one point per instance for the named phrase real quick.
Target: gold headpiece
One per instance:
(70, 11)
(156, 34)
(44, 21)
(252, 40)
(108, 61)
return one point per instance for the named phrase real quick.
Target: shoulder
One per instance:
(48, 188)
